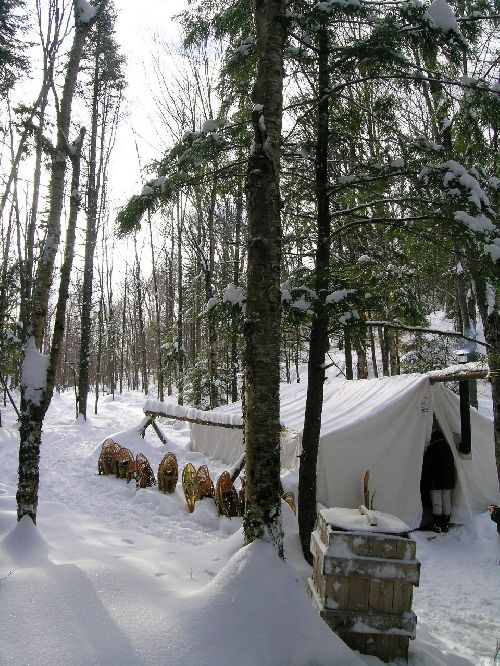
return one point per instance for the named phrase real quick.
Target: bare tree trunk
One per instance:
(100, 325)
(159, 352)
(142, 326)
(170, 292)
(361, 365)
(384, 351)
(180, 312)
(318, 341)
(263, 310)
(212, 332)
(373, 351)
(36, 399)
(348, 353)
(297, 356)
(490, 314)
(236, 281)
(90, 245)
(393, 352)
(124, 324)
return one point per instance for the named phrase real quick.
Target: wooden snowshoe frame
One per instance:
(168, 473)
(242, 495)
(203, 484)
(289, 498)
(144, 475)
(226, 496)
(188, 486)
(124, 459)
(106, 462)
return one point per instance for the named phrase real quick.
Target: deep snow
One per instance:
(114, 575)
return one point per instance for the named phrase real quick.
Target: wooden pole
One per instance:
(194, 420)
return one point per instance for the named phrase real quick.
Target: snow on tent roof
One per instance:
(344, 402)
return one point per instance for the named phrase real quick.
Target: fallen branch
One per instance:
(9, 574)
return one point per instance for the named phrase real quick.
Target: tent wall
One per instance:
(381, 430)
(226, 444)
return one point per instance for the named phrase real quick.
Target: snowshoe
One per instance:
(144, 475)
(168, 473)
(188, 485)
(226, 497)
(203, 484)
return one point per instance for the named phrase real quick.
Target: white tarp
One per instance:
(226, 444)
(375, 425)
(380, 425)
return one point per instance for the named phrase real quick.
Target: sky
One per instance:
(137, 26)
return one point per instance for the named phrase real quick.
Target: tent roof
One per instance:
(344, 402)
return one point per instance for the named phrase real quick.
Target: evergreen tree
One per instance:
(13, 62)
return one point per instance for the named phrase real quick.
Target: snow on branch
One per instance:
(459, 372)
(85, 11)
(34, 372)
(423, 329)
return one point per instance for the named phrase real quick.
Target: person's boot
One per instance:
(445, 523)
(436, 525)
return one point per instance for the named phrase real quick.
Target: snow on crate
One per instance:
(355, 521)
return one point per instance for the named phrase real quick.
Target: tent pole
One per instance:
(465, 443)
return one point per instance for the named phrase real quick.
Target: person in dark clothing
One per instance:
(438, 470)
(495, 514)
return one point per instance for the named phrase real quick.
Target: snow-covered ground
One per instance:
(114, 575)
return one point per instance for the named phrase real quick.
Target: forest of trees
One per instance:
(329, 179)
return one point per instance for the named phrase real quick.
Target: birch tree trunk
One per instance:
(35, 399)
(45, 270)
(263, 308)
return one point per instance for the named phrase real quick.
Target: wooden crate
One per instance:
(362, 586)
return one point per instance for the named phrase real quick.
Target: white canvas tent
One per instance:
(380, 425)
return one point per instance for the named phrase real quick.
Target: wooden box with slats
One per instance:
(362, 586)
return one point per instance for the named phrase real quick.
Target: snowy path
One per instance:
(123, 575)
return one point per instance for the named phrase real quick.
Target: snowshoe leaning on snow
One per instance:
(106, 462)
(168, 473)
(188, 486)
